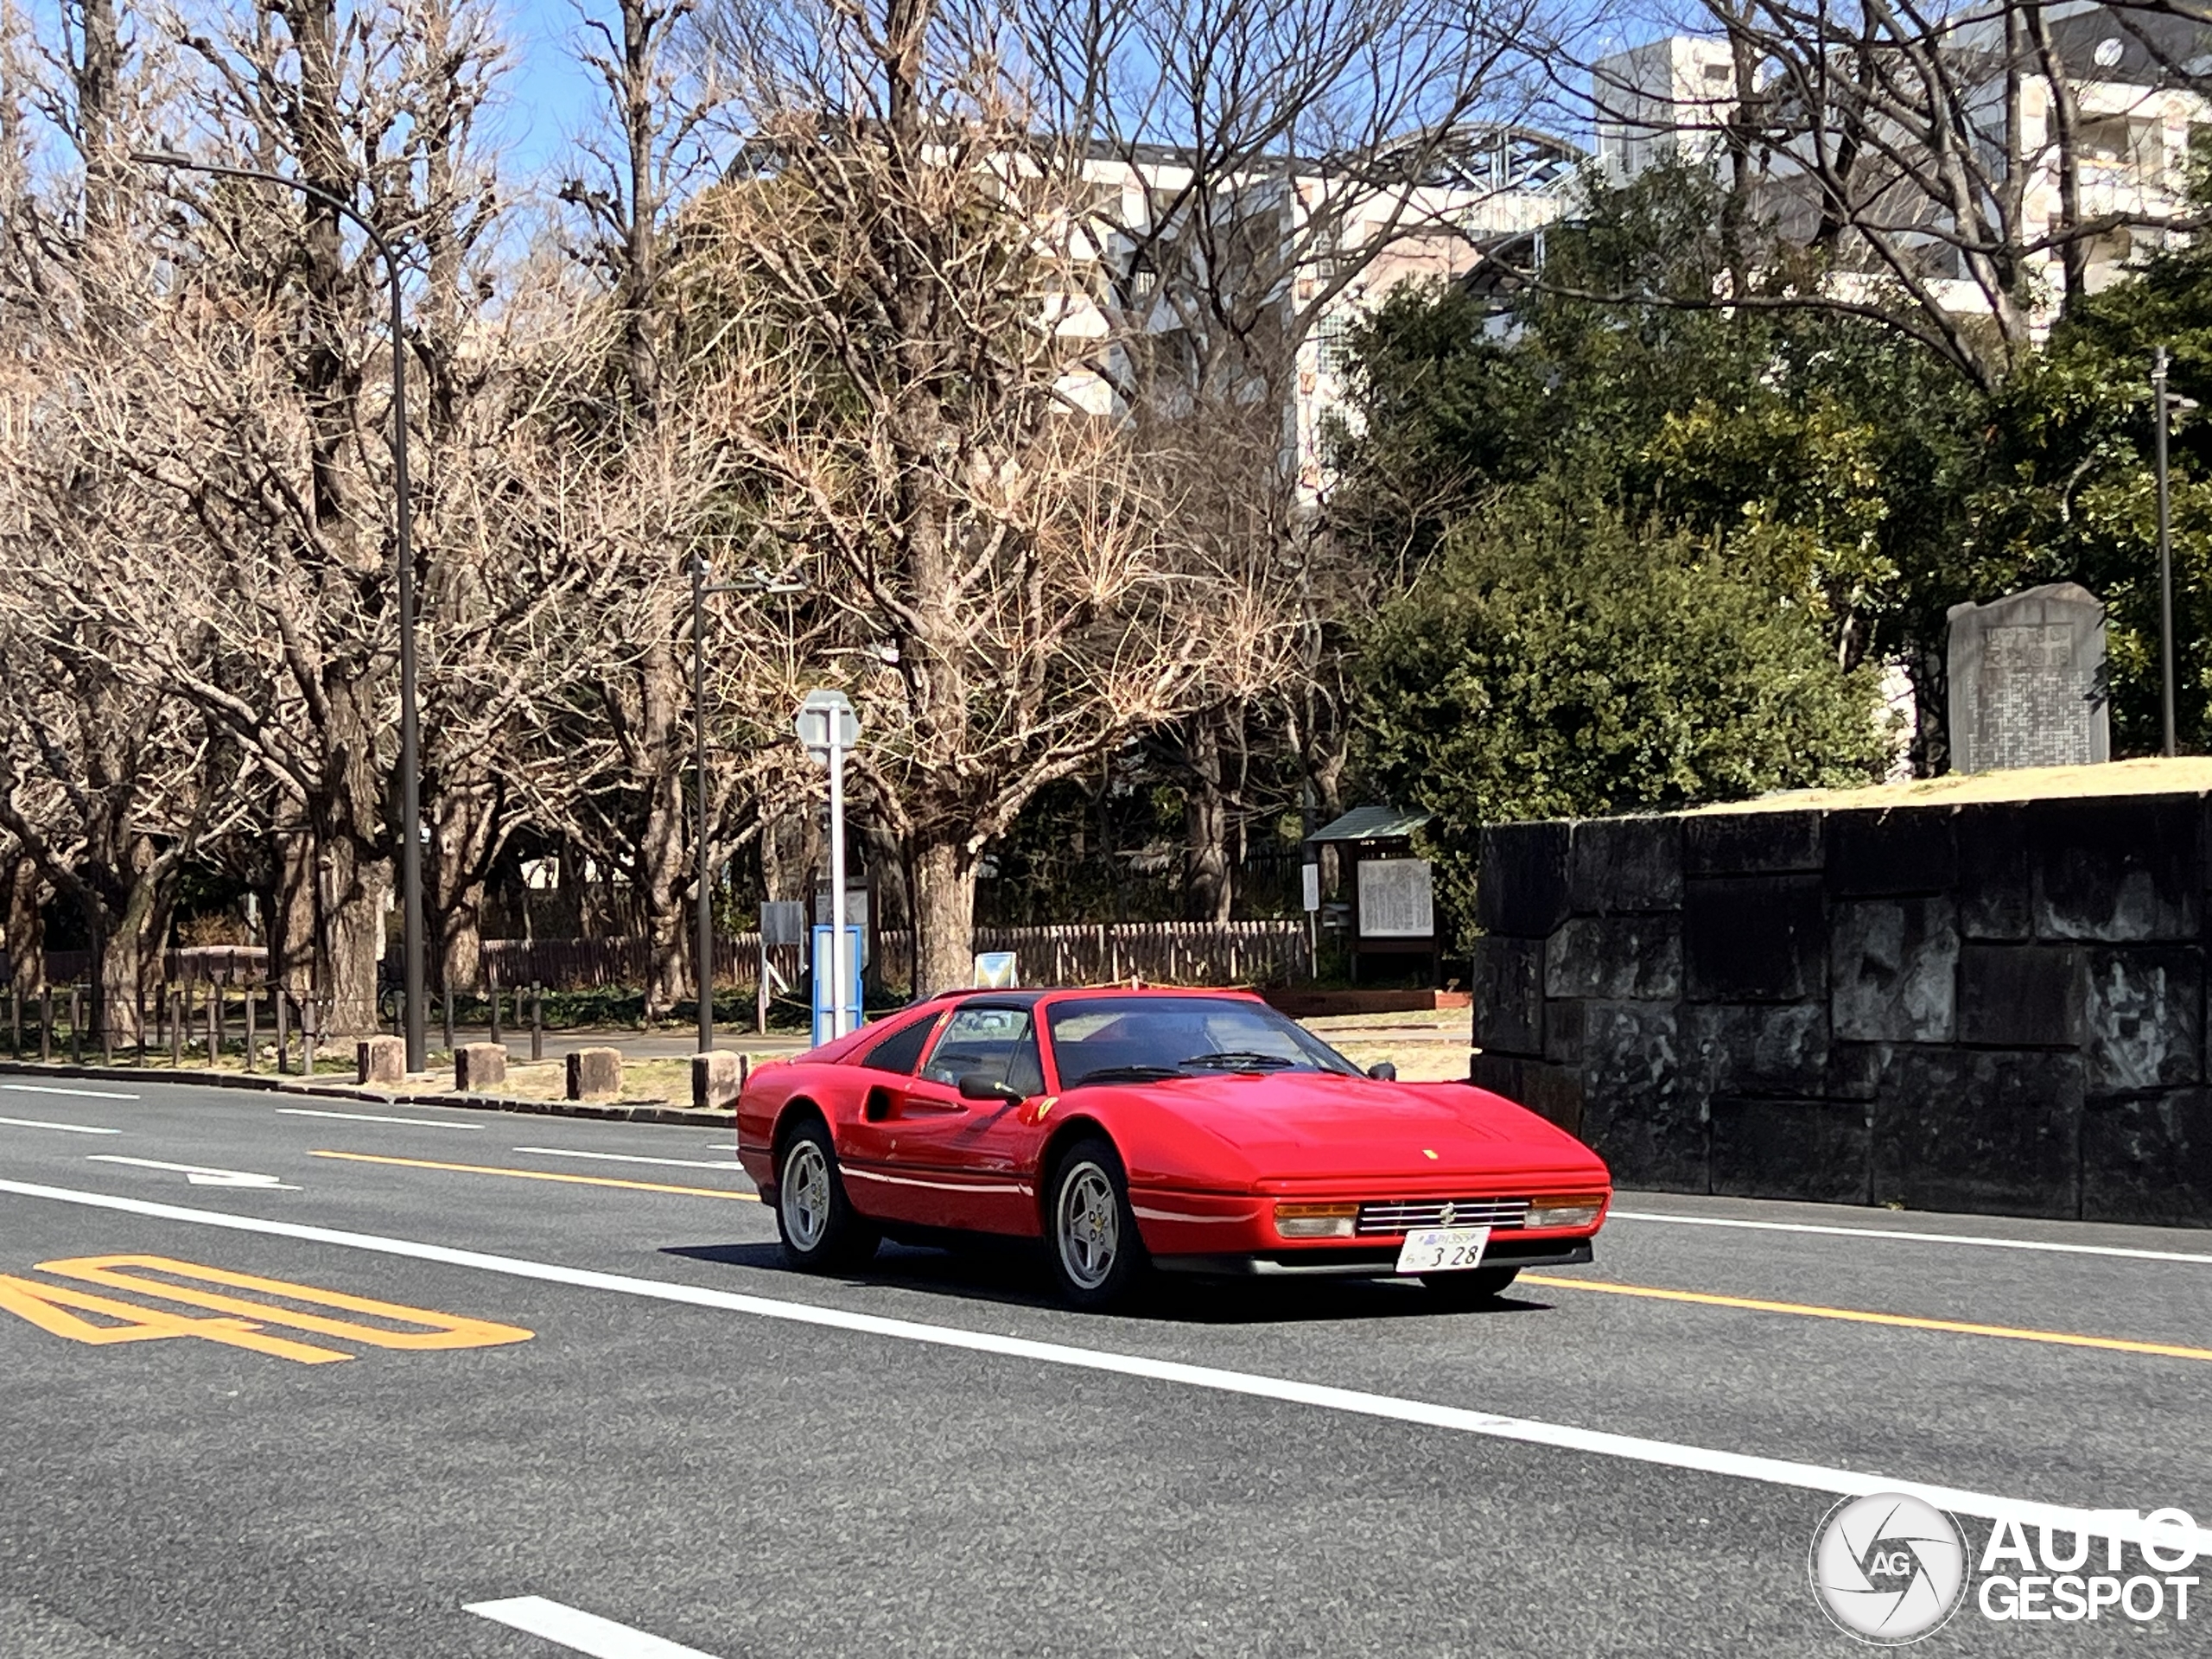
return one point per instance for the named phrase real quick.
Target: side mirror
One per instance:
(1383, 1071)
(975, 1085)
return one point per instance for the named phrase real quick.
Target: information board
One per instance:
(1394, 900)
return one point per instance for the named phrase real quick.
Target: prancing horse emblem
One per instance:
(1450, 1214)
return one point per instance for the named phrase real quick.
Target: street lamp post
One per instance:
(411, 781)
(760, 582)
(2165, 556)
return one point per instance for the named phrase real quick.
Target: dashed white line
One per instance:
(371, 1117)
(584, 1632)
(66, 1128)
(52, 1089)
(631, 1157)
(1983, 1240)
(1780, 1472)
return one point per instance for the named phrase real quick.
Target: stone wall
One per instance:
(1995, 1008)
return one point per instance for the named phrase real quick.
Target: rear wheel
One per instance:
(1091, 1233)
(822, 1231)
(1471, 1289)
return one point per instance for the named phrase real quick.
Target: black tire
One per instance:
(1471, 1289)
(821, 1230)
(1091, 1242)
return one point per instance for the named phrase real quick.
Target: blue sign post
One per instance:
(827, 1024)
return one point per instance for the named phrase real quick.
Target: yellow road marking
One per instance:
(42, 1306)
(1858, 1316)
(543, 1175)
(441, 1329)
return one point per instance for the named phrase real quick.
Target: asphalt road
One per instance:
(698, 1447)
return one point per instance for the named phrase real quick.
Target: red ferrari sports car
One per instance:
(1191, 1131)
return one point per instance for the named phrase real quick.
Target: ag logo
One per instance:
(1889, 1568)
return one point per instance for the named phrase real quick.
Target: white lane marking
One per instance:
(196, 1175)
(585, 1632)
(631, 1157)
(49, 1089)
(66, 1128)
(371, 1117)
(1779, 1471)
(1980, 1239)
(722, 1146)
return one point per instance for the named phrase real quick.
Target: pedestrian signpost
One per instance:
(828, 727)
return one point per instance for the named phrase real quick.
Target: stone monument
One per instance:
(2027, 681)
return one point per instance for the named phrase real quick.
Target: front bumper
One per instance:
(1371, 1261)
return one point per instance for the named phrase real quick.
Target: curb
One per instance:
(613, 1111)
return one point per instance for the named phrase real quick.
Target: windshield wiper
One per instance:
(1242, 1059)
(1127, 1074)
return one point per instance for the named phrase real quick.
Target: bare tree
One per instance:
(638, 169)
(912, 297)
(1950, 172)
(1259, 171)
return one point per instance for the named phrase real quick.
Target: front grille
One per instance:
(1405, 1216)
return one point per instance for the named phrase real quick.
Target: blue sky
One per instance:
(549, 95)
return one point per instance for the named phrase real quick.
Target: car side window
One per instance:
(984, 1040)
(902, 1050)
(1024, 1070)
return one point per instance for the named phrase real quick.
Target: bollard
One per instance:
(176, 1028)
(15, 1017)
(494, 983)
(381, 1060)
(76, 1028)
(45, 1024)
(214, 1022)
(595, 1073)
(139, 1007)
(717, 1079)
(448, 1000)
(478, 1066)
(307, 1038)
(284, 1034)
(537, 1022)
(249, 1027)
(107, 1031)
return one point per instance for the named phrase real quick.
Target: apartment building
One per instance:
(1307, 249)
(2135, 79)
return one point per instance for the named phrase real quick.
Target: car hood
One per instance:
(1298, 1126)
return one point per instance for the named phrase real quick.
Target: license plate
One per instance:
(1443, 1250)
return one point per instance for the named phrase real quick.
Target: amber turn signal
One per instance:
(1578, 1210)
(1316, 1220)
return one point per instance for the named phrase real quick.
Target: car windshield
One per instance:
(1141, 1039)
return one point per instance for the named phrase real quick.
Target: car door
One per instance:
(954, 1162)
(867, 1126)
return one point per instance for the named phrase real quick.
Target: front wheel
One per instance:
(1091, 1234)
(1469, 1288)
(822, 1231)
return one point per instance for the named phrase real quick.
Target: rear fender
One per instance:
(796, 1111)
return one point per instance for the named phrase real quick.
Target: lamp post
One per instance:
(760, 582)
(410, 779)
(2165, 556)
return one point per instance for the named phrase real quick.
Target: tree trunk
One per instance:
(292, 914)
(1207, 895)
(944, 918)
(664, 864)
(464, 819)
(355, 892)
(123, 954)
(26, 927)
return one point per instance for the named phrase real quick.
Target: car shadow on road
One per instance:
(1015, 1274)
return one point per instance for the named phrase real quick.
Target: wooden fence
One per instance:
(1159, 953)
